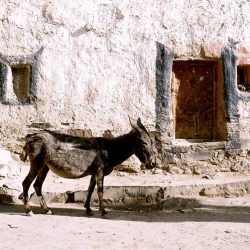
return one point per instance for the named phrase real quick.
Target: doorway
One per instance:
(195, 100)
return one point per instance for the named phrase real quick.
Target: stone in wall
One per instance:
(9, 164)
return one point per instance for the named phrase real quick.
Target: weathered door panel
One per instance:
(194, 99)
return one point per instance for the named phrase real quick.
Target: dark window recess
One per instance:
(21, 74)
(243, 77)
(18, 78)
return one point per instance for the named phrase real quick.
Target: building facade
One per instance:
(183, 66)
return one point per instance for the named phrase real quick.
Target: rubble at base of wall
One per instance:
(201, 159)
(197, 159)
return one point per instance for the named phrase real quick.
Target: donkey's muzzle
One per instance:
(151, 165)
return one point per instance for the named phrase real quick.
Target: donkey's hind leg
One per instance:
(34, 169)
(99, 181)
(38, 188)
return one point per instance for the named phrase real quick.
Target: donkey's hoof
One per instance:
(20, 197)
(104, 212)
(89, 213)
(49, 212)
(30, 213)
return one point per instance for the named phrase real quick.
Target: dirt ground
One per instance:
(223, 226)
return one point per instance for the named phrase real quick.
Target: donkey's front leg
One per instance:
(99, 180)
(91, 188)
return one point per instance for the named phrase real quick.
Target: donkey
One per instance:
(75, 157)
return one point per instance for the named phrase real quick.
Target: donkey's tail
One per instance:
(23, 155)
(32, 148)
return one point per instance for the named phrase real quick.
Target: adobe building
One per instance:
(182, 66)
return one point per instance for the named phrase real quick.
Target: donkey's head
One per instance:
(144, 147)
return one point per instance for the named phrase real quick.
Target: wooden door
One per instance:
(194, 99)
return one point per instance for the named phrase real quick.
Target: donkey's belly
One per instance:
(69, 173)
(71, 164)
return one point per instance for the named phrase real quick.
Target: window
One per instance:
(243, 77)
(21, 81)
(18, 78)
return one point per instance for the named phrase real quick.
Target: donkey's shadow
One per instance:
(145, 213)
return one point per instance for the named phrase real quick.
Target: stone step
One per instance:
(118, 195)
(122, 188)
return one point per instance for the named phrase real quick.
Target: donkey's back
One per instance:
(67, 156)
(50, 138)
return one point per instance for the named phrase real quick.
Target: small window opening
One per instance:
(18, 78)
(21, 81)
(243, 77)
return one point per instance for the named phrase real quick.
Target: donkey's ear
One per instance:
(140, 125)
(132, 123)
